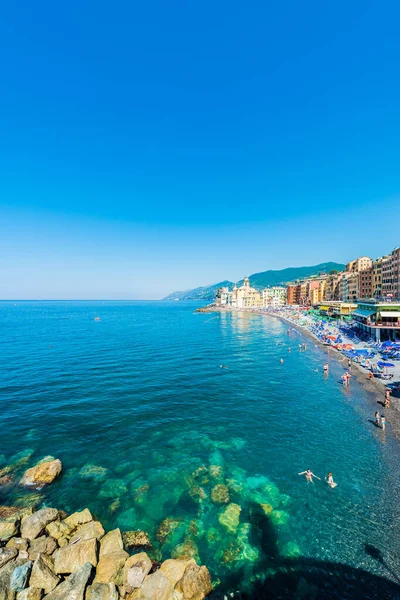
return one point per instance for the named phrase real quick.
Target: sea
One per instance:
(188, 426)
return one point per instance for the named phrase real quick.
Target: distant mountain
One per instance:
(258, 280)
(200, 293)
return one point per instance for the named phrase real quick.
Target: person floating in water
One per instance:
(288, 332)
(377, 423)
(383, 422)
(223, 367)
(309, 475)
(288, 349)
(281, 361)
(326, 367)
(330, 481)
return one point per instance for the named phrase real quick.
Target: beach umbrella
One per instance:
(385, 364)
(331, 337)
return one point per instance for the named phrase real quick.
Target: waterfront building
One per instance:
(245, 296)
(349, 286)
(381, 320)
(359, 264)
(396, 272)
(337, 309)
(273, 297)
(293, 294)
(223, 297)
(387, 276)
(366, 283)
(376, 278)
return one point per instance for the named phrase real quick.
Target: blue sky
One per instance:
(148, 147)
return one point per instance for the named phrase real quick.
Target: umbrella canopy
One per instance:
(385, 364)
(331, 337)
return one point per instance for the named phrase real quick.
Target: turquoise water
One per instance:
(141, 395)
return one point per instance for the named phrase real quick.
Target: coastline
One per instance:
(375, 387)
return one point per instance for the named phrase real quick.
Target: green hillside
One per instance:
(258, 280)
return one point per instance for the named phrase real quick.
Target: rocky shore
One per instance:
(49, 555)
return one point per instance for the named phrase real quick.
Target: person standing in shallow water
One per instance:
(326, 368)
(383, 422)
(377, 419)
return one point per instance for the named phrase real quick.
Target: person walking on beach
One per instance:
(309, 475)
(377, 419)
(383, 422)
(387, 398)
(349, 364)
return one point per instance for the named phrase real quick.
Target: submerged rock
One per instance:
(229, 518)
(188, 549)
(94, 472)
(165, 528)
(197, 493)
(113, 488)
(201, 475)
(42, 475)
(136, 539)
(266, 508)
(127, 519)
(220, 494)
(216, 472)
(279, 517)
(45, 459)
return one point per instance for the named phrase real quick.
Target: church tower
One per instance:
(246, 282)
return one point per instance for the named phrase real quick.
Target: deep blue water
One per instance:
(141, 394)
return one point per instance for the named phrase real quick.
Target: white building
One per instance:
(273, 297)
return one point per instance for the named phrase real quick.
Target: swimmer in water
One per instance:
(309, 475)
(288, 350)
(330, 481)
(316, 370)
(223, 367)
(326, 368)
(281, 361)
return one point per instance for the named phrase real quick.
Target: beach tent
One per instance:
(385, 364)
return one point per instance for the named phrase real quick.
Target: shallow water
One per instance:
(141, 394)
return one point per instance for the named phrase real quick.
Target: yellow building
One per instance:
(245, 296)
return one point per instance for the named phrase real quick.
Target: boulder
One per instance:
(102, 591)
(136, 568)
(43, 576)
(72, 557)
(78, 518)
(6, 480)
(7, 554)
(18, 543)
(229, 518)
(165, 528)
(33, 526)
(42, 545)
(58, 529)
(111, 542)
(93, 529)
(187, 549)
(110, 567)
(8, 511)
(42, 474)
(195, 583)
(9, 527)
(175, 568)
(220, 494)
(5, 575)
(136, 539)
(31, 593)
(74, 587)
(20, 576)
(156, 587)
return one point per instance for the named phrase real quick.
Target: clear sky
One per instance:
(147, 147)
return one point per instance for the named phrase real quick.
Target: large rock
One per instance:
(229, 518)
(78, 518)
(175, 568)
(31, 593)
(110, 567)
(220, 494)
(136, 568)
(42, 576)
(33, 526)
(41, 475)
(74, 587)
(195, 583)
(20, 576)
(136, 539)
(9, 527)
(7, 554)
(72, 557)
(102, 591)
(58, 529)
(111, 542)
(93, 529)
(18, 544)
(42, 545)
(157, 587)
